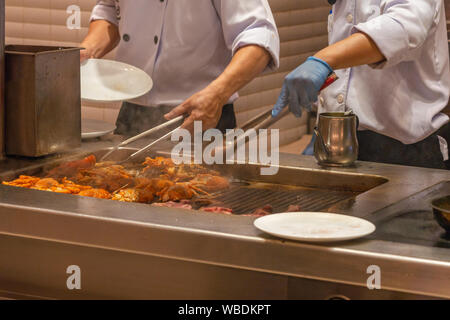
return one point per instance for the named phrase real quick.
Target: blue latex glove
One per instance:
(302, 86)
(309, 150)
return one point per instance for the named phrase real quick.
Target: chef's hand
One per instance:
(205, 106)
(87, 52)
(103, 36)
(302, 86)
(84, 55)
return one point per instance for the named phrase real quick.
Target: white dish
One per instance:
(314, 226)
(112, 81)
(95, 128)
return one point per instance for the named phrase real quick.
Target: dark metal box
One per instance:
(43, 103)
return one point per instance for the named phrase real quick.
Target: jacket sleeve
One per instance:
(105, 10)
(249, 22)
(401, 28)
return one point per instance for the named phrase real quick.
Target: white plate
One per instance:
(95, 128)
(112, 81)
(314, 226)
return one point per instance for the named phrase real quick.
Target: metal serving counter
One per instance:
(139, 251)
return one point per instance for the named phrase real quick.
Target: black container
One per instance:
(441, 211)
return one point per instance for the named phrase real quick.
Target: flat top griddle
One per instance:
(411, 221)
(245, 197)
(249, 190)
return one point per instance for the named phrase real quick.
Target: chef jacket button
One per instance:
(340, 98)
(350, 18)
(155, 39)
(126, 37)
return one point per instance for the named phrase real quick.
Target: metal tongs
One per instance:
(265, 119)
(261, 121)
(145, 134)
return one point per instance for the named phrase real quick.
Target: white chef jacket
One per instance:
(186, 44)
(403, 96)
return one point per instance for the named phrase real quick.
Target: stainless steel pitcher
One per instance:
(336, 143)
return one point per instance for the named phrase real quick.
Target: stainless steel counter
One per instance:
(139, 251)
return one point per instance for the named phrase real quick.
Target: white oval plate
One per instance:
(112, 81)
(95, 128)
(314, 226)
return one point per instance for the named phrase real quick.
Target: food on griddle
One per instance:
(261, 212)
(23, 181)
(73, 187)
(126, 195)
(179, 173)
(141, 195)
(209, 182)
(218, 210)
(70, 169)
(180, 191)
(183, 204)
(157, 181)
(46, 183)
(160, 185)
(199, 202)
(50, 184)
(294, 208)
(110, 178)
(96, 193)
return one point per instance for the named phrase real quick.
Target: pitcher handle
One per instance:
(319, 136)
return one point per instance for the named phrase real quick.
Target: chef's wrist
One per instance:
(328, 60)
(323, 62)
(220, 92)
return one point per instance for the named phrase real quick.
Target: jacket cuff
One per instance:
(104, 12)
(264, 38)
(392, 44)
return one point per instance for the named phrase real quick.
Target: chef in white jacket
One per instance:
(392, 60)
(199, 53)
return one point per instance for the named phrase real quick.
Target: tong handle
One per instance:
(144, 134)
(152, 144)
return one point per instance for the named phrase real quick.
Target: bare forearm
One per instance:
(206, 105)
(102, 37)
(247, 63)
(358, 49)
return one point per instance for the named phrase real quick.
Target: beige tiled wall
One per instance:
(302, 27)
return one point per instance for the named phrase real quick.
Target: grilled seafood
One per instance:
(179, 173)
(48, 184)
(159, 163)
(110, 178)
(126, 195)
(210, 183)
(158, 181)
(180, 191)
(95, 193)
(134, 195)
(70, 169)
(23, 181)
